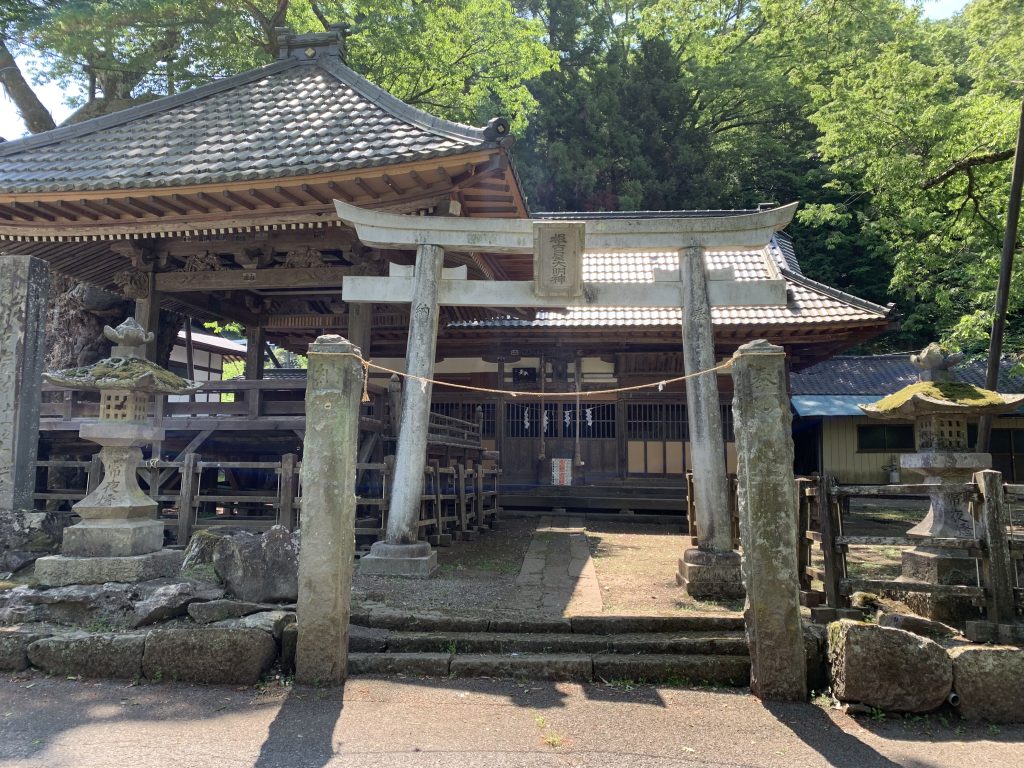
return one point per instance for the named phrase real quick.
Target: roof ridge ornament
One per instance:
(313, 45)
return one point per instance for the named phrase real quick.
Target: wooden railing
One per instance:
(994, 549)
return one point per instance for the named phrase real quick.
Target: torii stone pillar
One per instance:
(401, 554)
(711, 570)
(23, 305)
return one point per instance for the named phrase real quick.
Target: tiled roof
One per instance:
(808, 301)
(884, 374)
(290, 118)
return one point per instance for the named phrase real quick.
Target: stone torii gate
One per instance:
(712, 568)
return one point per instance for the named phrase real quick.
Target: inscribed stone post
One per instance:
(400, 554)
(712, 570)
(327, 551)
(26, 283)
(768, 522)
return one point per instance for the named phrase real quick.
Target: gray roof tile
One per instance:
(885, 374)
(287, 119)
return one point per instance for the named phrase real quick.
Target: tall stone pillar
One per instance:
(712, 569)
(400, 554)
(768, 522)
(327, 554)
(26, 285)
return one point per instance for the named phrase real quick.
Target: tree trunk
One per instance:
(36, 116)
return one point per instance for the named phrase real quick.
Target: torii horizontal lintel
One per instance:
(380, 229)
(519, 293)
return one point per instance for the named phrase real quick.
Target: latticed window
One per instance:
(522, 419)
(656, 421)
(468, 412)
(596, 421)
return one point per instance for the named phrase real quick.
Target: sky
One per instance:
(53, 96)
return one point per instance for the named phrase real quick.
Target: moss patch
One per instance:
(950, 391)
(128, 372)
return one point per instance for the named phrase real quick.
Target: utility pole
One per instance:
(995, 348)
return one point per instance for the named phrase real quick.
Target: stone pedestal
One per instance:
(60, 570)
(948, 517)
(708, 575)
(416, 561)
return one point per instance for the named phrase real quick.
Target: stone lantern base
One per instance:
(710, 575)
(60, 570)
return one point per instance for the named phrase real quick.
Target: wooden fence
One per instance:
(993, 547)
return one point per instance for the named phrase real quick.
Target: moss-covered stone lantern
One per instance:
(940, 409)
(119, 537)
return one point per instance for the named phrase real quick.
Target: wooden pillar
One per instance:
(255, 340)
(360, 318)
(147, 312)
(400, 554)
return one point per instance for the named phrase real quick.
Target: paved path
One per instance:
(413, 723)
(557, 576)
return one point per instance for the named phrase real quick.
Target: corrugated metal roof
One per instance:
(289, 118)
(881, 375)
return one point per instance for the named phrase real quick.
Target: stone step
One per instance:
(578, 667)
(387, 618)
(726, 643)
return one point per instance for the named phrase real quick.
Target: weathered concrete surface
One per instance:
(79, 604)
(113, 538)
(166, 598)
(427, 664)
(421, 348)
(768, 522)
(334, 386)
(710, 482)
(557, 575)
(709, 575)
(208, 655)
(260, 568)
(90, 655)
(990, 682)
(887, 668)
(23, 308)
(59, 571)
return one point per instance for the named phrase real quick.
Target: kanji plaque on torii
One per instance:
(558, 259)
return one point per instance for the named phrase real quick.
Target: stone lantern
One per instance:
(119, 537)
(940, 409)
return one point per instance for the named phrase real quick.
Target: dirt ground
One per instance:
(880, 517)
(636, 567)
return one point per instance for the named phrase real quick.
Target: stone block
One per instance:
(260, 569)
(887, 668)
(289, 642)
(710, 575)
(89, 655)
(412, 561)
(164, 599)
(917, 624)
(60, 570)
(80, 604)
(219, 610)
(990, 682)
(14, 642)
(272, 622)
(418, 664)
(540, 666)
(208, 655)
(113, 538)
(658, 668)
(367, 640)
(389, 618)
(816, 650)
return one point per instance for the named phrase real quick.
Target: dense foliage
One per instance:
(895, 131)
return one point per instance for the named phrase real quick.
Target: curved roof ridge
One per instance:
(374, 93)
(835, 293)
(146, 109)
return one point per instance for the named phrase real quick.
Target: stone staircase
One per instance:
(680, 649)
